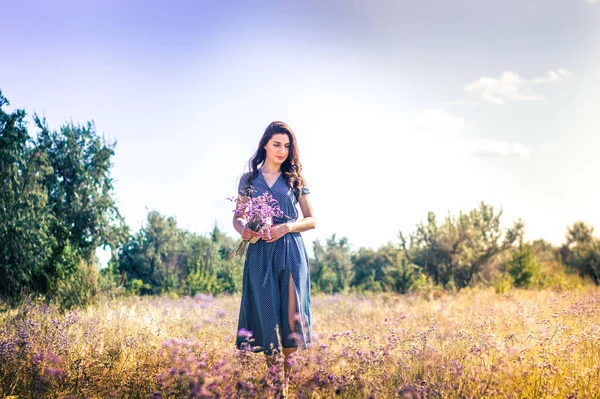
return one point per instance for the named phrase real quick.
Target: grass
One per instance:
(474, 344)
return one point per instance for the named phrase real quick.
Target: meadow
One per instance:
(473, 344)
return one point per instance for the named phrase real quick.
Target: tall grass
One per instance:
(475, 344)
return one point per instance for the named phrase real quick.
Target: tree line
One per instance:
(57, 207)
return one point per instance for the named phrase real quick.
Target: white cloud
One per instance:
(436, 119)
(498, 148)
(511, 87)
(497, 91)
(553, 76)
(590, 1)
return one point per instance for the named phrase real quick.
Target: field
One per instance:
(474, 344)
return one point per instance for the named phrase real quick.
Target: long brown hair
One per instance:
(291, 168)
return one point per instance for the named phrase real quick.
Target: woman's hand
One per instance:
(277, 231)
(248, 233)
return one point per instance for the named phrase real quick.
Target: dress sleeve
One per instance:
(242, 190)
(304, 190)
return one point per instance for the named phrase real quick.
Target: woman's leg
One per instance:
(292, 320)
(271, 359)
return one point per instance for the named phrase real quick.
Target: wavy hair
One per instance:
(291, 168)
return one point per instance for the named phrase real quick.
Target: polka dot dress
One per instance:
(263, 321)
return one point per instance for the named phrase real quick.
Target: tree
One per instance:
(370, 269)
(56, 208)
(80, 199)
(401, 275)
(581, 251)
(145, 256)
(523, 267)
(229, 274)
(322, 277)
(163, 258)
(456, 251)
(24, 223)
(80, 188)
(332, 269)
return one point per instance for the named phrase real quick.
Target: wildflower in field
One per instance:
(204, 298)
(245, 333)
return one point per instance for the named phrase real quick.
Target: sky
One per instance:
(399, 108)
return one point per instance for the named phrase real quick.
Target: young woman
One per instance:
(275, 307)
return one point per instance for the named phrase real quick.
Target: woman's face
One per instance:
(278, 148)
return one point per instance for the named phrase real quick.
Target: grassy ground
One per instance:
(475, 344)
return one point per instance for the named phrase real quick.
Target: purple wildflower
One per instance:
(55, 373)
(245, 333)
(259, 212)
(204, 298)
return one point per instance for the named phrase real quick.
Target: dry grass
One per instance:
(476, 344)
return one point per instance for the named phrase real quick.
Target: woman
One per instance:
(275, 306)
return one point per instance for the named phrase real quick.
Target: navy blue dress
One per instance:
(263, 321)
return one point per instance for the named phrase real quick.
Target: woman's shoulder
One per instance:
(244, 186)
(245, 176)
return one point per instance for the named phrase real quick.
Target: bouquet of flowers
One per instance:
(260, 212)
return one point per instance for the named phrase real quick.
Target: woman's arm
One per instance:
(308, 221)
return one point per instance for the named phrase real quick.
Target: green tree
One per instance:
(386, 269)
(145, 256)
(456, 251)
(370, 268)
(322, 277)
(523, 267)
(162, 258)
(25, 225)
(56, 208)
(80, 188)
(332, 268)
(401, 275)
(80, 199)
(581, 251)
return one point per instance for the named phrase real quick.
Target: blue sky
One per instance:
(399, 107)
